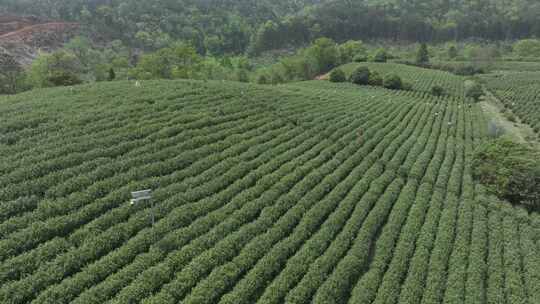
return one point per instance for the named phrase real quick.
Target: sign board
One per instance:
(141, 195)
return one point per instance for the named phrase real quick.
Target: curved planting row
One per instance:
(351, 137)
(166, 242)
(312, 192)
(163, 210)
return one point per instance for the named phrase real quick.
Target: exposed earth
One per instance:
(24, 37)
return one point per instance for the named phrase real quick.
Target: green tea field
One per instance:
(308, 192)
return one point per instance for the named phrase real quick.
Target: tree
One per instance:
(324, 53)
(60, 68)
(262, 79)
(337, 75)
(375, 79)
(360, 58)
(422, 56)
(350, 50)
(380, 56)
(473, 90)
(509, 170)
(392, 82)
(11, 74)
(360, 76)
(242, 75)
(112, 74)
(80, 46)
(267, 37)
(180, 61)
(437, 90)
(452, 52)
(527, 48)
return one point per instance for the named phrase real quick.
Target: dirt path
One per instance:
(57, 26)
(493, 108)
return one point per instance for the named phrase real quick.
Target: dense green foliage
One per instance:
(317, 59)
(375, 79)
(234, 26)
(437, 90)
(422, 57)
(11, 75)
(380, 56)
(528, 48)
(307, 192)
(418, 79)
(392, 82)
(509, 170)
(337, 75)
(57, 69)
(360, 76)
(473, 90)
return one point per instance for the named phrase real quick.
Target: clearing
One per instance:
(494, 109)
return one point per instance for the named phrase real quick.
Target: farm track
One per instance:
(30, 30)
(519, 93)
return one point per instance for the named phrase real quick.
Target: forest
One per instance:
(220, 27)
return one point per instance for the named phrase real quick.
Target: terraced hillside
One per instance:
(303, 193)
(520, 92)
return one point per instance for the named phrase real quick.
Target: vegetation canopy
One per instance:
(510, 170)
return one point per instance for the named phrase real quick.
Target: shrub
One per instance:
(380, 56)
(56, 69)
(510, 116)
(112, 75)
(437, 90)
(375, 79)
(262, 79)
(452, 52)
(467, 70)
(350, 50)
(473, 90)
(276, 77)
(393, 82)
(527, 48)
(11, 74)
(242, 75)
(509, 170)
(337, 75)
(406, 86)
(360, 76)
(422, 56)
(360, 58)
(64, 79)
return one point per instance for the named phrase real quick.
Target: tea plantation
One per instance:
(310, 192)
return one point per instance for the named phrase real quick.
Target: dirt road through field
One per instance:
(494, 108)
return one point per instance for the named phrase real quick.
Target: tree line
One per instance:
(237, 26)
(82, 61)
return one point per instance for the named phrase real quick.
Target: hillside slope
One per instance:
(300, 193)
(24, 37)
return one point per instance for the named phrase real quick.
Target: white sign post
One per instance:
(143, 195)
